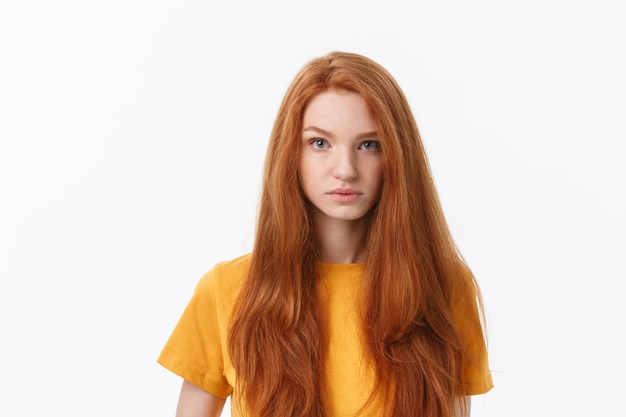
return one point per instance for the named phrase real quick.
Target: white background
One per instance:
(132, 137)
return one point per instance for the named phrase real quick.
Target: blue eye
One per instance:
(319, 143)
(370, 145)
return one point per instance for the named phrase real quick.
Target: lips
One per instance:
(344, 195)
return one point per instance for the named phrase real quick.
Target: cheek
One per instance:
(302, 171)
(378, 177)
(305, 175)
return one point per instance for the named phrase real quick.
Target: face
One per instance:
(340, 168)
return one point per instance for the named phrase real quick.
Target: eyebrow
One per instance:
(321, 131)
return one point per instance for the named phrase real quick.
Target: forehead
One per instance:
(335, 108)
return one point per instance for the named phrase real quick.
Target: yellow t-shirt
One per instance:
(197, 349)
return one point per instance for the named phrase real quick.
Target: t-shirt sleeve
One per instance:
(195, 349)
(467, 315)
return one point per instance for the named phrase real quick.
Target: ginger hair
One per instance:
(412, 268)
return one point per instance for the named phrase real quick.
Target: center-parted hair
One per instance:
(412, 269)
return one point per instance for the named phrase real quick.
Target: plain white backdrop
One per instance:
(132, 137)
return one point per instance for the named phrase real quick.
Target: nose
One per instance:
(344, 165)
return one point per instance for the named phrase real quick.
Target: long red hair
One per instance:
(412, 269)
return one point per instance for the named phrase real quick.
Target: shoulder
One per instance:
(463, 285)
(235, 268)
(466, 307)
(224, 280)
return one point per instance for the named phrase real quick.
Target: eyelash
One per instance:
(322, 144)
(316, 142)
(375, 143)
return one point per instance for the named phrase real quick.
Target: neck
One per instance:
(341, 241)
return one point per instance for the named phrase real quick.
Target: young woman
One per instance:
(354, 300)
